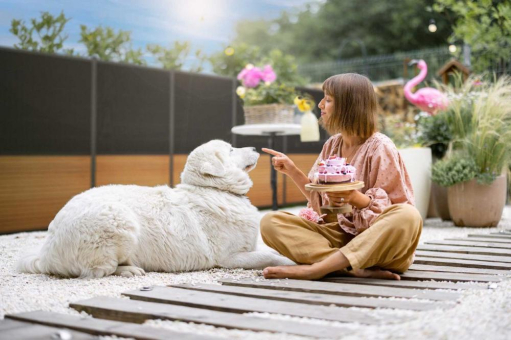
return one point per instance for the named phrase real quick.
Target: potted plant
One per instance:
(479, 115)
(435, 133)
(265, 100)
(417, 159)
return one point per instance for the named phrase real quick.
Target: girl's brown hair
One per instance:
(354, 105)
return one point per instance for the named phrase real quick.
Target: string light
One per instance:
(452, 48)
(432, 26)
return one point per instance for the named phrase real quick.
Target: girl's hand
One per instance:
(353, 197)
(281, 162)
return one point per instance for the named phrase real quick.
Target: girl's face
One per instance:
(326, 106)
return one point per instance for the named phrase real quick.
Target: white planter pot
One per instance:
(418, 164)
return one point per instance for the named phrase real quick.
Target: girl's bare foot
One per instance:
(375, 274)
(301, 272)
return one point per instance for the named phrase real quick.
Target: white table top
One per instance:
(266, 129)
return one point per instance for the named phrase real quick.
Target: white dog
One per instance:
(206, 221)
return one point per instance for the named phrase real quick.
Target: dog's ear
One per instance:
(214, 166)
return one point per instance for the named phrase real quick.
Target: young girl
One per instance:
(379, 237)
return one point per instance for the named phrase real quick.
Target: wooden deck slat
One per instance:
(505, 233)
(139, 311)
(467, 250)
(451, 269)
(481, 239)
(471, 244)
(453, 277)
(314, 299)
(492, 236)
(438, 261)
(17, 330)
(104, 327)
(239, 304)
(474, 257)
(406, 284)
(343, 289)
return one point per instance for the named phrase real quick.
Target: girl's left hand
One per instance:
(353, 197)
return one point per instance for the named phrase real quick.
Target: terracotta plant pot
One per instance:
(439, 194)
(477, 205)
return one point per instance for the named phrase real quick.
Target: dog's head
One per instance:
(217, 164)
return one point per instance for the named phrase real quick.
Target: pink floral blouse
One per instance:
(380, 167)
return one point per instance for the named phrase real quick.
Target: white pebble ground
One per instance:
(480, 314)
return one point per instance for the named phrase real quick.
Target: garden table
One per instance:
(270, 130)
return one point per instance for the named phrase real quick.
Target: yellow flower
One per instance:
(241, 91)
(303, 104)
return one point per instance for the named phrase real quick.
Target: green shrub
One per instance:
(436, 133)
(453, 170)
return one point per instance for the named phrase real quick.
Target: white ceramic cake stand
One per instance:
(330, 210)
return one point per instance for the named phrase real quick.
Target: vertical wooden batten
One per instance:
(34, 188)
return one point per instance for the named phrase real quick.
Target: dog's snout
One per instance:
(253, 149)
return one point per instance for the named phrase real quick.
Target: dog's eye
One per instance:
(232, 150)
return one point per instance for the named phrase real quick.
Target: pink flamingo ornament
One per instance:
(427, 99)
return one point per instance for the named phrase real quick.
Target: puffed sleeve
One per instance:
(389, 184)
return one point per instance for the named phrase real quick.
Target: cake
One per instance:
(335, 170)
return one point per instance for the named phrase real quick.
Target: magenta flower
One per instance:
(268, 74)
(250, 76)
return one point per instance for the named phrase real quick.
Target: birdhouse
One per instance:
(451, 67)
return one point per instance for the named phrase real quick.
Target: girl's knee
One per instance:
(409, 215)
(269, 224)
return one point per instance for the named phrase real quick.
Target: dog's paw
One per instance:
(129, 271)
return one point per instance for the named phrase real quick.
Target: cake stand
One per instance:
(330, 211)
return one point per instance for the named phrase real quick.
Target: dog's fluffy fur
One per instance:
(206, 221)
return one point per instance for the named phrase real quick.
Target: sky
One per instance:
(207, 24)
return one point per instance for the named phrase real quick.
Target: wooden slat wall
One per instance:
(34, 188)
(147, 170)
(304, 162)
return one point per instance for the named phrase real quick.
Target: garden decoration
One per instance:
(309, 121)
(265, 100)
(427, 99)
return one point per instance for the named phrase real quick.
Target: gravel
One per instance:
(480, 314)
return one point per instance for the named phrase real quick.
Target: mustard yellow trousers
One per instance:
(389, 243)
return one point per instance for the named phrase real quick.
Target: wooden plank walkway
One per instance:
(140, 311)
(407, 284)
(320, 287)
(471, 243)
(14, 330)
(467, 250)
(478, 261)
(485, 258)
(439, 261)
(237, 304)
(103, 327)
(314, 299)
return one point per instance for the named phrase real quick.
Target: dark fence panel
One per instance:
(45, 104)
(203, 110)
(46, 109)
(132, 110)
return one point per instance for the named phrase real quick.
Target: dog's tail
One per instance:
(30, 262)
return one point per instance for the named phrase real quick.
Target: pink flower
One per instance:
(309, 214)
(268, 74)
(251, 77)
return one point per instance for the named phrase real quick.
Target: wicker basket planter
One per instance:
(269, 114)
